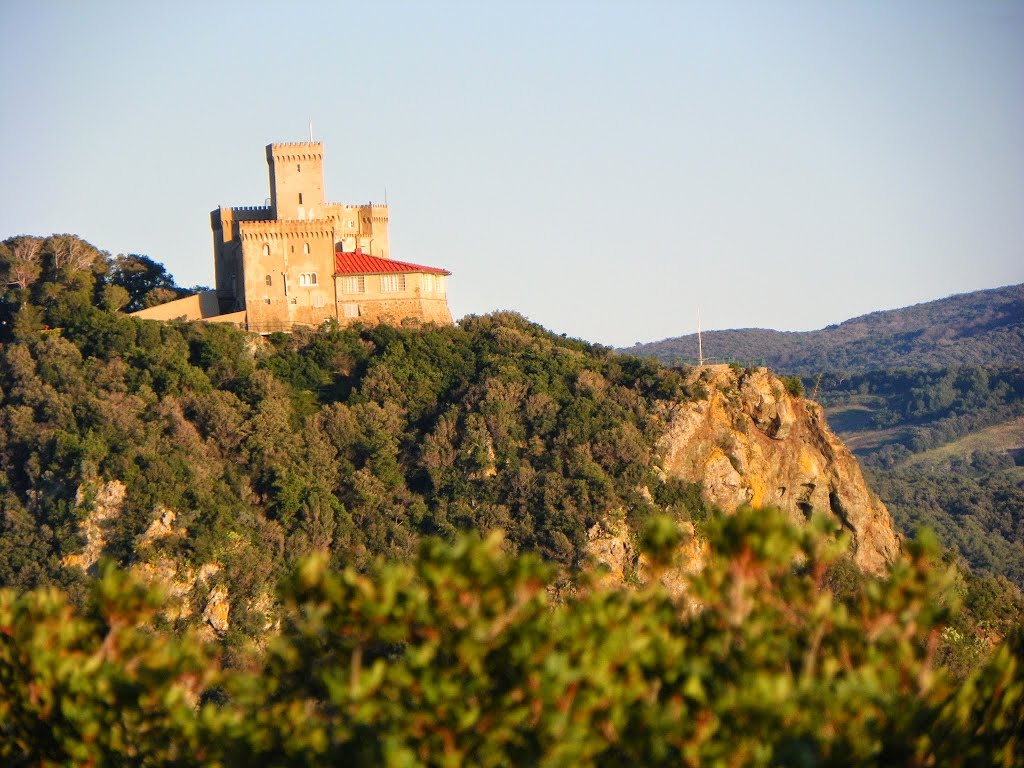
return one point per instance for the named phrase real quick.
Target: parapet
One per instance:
(227, 217)
(296, 150)
(249, 230)
(251, 212)
(380, 207)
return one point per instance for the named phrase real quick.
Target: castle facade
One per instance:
(302, 260)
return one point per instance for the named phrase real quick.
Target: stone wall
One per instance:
(199, 306)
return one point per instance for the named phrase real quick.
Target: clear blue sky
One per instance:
(603, 168)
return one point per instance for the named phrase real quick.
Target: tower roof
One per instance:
(359, 263)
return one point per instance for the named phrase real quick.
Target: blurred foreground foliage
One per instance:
(461, 656)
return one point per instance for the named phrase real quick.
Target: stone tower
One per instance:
(296, 180)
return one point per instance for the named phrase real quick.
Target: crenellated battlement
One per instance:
(296, 151)
(296, 144)
(361, 206)
(255, 230)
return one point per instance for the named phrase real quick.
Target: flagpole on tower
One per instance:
(310, 131)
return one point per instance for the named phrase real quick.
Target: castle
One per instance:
(302, 261)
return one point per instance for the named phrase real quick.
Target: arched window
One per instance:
(303, 279)
(266, 250)
(312, 278)
(269, 280)
(305, 248)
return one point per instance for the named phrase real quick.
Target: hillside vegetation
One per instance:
(357, 442)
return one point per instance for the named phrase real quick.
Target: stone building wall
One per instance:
(277, 262)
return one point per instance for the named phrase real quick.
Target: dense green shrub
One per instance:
(793, 385)
(461, 657)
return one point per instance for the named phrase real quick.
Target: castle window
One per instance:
(269, 280)
(353, 284)
(300, 198)
(318, 300)
(303, 279)
(392, 283)
(312, 279)
(298, 167)
(427, 281)
(266, 252)
(305, 248)
(351, 310)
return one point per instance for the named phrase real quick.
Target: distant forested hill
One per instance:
(980, 328)
(943, 448)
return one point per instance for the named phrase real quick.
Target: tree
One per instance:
(71, 252)
(23, 266)
(114, 297)
(140, 275)
(159, 295)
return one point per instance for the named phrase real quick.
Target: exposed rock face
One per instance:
(217, 609)
(610, 545)
(161, 527)
(105, 501)
(752, 443)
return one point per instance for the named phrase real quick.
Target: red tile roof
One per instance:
(359, 263)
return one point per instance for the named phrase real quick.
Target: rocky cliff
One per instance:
(752, 443)
(747, 441)
(189, 589)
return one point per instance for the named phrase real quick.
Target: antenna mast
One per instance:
(310, 131)
(700, 343)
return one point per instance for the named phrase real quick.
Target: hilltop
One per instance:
(983, 328)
